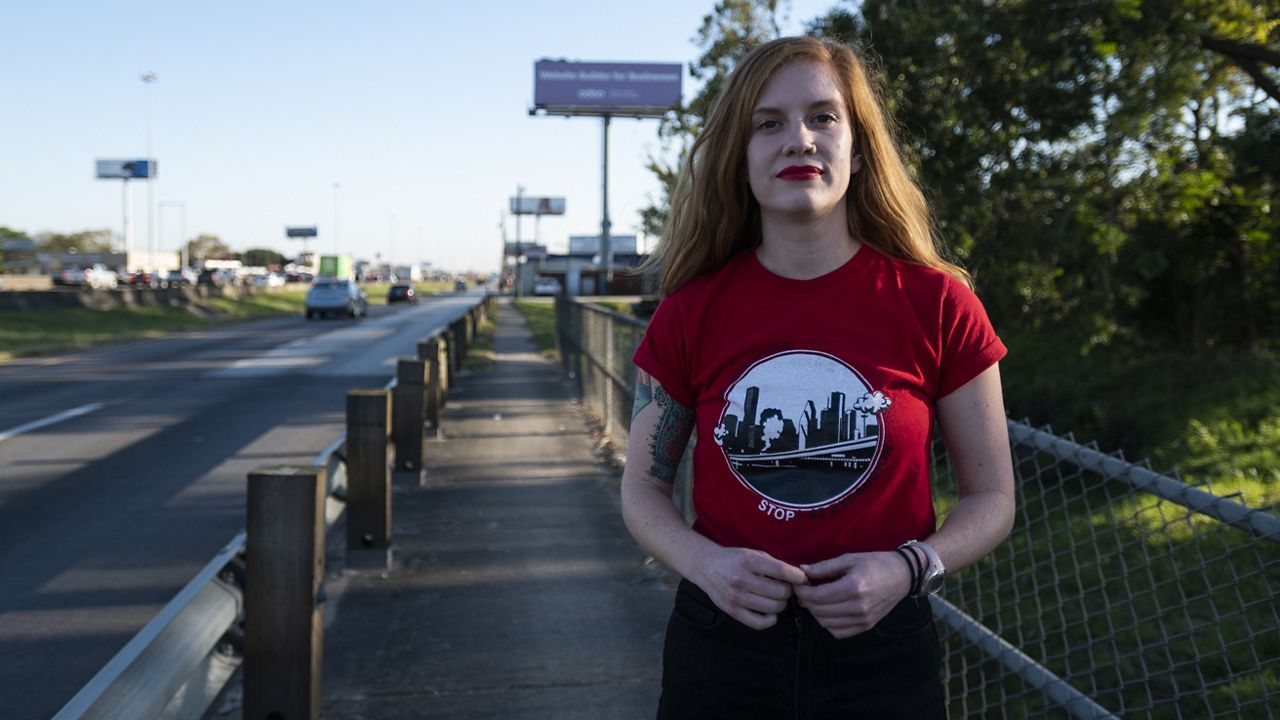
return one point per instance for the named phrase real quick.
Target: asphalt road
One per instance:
(122, 471)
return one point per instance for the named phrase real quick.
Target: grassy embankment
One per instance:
(1216, 418)
(45, 331)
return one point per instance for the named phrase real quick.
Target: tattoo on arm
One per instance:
(644, 392)
(670, 435)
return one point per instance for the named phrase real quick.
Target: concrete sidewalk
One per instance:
(516, 591)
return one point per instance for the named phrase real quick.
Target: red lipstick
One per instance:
(800, 172)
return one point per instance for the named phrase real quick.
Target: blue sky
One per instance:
(417, 110)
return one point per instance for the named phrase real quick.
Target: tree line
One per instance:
(200, 248)
(1107, 169)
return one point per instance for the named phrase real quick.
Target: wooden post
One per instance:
(368, 472)
(407, 409)
(283, 620)
(459, 328)
(429, 352)
(452, 342)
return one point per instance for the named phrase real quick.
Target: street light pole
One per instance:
(519, 242)
(148, 79)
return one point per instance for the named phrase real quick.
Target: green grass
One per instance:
(1191, 601)
(616, 306)
(268, 304)
(1114, 589)
(36, 332)
(1215, 417)
(540, 314)
(480, 354)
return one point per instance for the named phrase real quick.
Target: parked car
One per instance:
(402, 292)
(178, 278)
(268, 280)
(459, 285)
(96, 276)
(546, 286)
(216, 277)
(140, 278)
(329, 296)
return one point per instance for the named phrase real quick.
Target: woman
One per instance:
(810, 335)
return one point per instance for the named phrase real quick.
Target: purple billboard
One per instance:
(577, 88)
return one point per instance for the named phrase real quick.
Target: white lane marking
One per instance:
(36, 424)
(304, 353)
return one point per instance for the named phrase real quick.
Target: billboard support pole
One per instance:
(519, 245)
(125, 233)
(606, 247)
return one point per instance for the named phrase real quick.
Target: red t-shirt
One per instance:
(815, 398)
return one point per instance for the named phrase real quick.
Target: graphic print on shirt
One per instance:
(802, 429)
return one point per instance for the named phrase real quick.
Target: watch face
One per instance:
(934, 583)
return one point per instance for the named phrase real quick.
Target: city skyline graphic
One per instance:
(802, 429)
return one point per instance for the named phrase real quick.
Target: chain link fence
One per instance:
(1119, 593)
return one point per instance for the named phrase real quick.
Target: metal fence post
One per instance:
(368, 472)
(607, 386)
(407, 409)
(284, 627)
(429, 352)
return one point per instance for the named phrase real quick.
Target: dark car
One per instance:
(216, 278)
(460, 286)
(337, 297)
(402, 292)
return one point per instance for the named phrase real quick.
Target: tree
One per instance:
(85, 241)
(1080, 156)
(730, 31)
(7, 234)
(207, 247)
(261, 257)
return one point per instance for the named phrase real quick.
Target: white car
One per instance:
(329, 296)
(268, 280)
(96, 276)
(547, 286)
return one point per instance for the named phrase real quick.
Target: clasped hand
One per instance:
(847, 595)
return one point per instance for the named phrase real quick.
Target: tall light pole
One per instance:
(148, 78)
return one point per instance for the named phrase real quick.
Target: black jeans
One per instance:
(715, 667)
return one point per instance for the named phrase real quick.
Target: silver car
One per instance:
(330, 296)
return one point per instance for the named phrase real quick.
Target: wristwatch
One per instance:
(934, 573)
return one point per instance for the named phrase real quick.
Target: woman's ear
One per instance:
(855, 165)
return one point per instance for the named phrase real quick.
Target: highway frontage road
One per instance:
(122, 471)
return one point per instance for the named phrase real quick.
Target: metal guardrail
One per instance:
(178, 661)
(179, 664)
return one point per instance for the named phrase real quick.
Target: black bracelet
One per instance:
(920, 566)
(911, 567)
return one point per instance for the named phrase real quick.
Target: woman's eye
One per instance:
(824, 118)
(768, 125)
